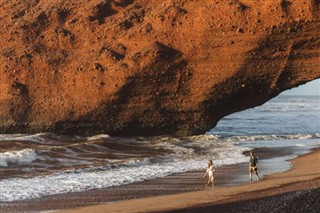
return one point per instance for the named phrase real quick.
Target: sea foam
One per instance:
(84, 179)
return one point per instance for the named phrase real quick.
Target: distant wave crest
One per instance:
(272, 137)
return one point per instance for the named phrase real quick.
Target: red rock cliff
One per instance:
(148, 67)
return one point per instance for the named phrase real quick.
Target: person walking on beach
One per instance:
(253, 165)
(210, 173)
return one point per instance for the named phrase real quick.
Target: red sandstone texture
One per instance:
(149, 67)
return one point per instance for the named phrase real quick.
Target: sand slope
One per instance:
(304, 175)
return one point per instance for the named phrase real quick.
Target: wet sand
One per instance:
(183, 192)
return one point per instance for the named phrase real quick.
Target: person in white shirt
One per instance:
(210, 173)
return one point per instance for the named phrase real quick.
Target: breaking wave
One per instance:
(21, 157)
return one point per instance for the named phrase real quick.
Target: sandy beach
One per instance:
(301, 183)
(187, 192)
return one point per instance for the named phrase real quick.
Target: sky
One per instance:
(308, 89)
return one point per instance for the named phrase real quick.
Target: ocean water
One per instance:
(33, 166)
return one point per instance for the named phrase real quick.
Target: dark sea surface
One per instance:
(33, 166)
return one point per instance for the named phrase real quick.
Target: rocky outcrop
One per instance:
(149, 67)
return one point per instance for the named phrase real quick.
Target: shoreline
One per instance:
(304, 175)
(227, 177)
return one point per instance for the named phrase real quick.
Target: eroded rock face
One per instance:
(149, 67)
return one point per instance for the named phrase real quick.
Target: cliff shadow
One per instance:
(139, 108)
(267, 71)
